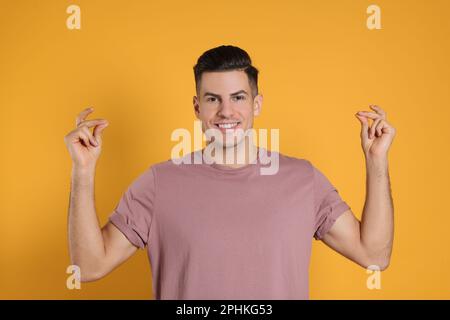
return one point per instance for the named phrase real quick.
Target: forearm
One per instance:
(85, 237)
(377, 221)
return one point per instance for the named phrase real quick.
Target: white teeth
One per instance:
(227, 125)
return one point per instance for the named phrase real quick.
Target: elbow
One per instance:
(90, 277)
(385, 265)
(382, 265)
(375, 265)
(378, 263)
(377, 259)
(87, 272)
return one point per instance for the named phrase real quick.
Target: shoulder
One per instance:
(172, 166)
(290, 163)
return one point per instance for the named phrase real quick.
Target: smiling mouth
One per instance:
(228, 125)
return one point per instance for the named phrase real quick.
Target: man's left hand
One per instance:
(376, 139)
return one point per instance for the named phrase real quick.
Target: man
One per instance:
(223, 230)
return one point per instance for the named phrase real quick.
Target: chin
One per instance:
(225, 138)
(232, 141)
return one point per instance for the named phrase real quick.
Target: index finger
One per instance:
(378, 110)
(82, 115)
(371, 115)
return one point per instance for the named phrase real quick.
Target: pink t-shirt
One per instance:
(213, 232)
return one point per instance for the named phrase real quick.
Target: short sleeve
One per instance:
(133, 214)
(328, 205)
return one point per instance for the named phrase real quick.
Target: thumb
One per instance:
(364, 126)
(98, 130)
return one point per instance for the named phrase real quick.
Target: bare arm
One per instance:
(369, 242)
(97, 251)
(377, 221)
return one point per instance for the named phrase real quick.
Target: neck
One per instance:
(244, 153)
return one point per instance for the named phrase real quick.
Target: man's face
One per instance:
(225, 103)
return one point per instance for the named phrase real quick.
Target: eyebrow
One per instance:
(218, 95)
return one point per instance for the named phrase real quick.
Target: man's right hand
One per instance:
(97, 251)
(85, 147)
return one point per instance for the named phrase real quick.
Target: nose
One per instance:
(225, 110)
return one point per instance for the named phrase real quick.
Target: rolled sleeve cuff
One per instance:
(333, 214)
(127, 229)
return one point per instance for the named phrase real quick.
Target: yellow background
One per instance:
(132, 61)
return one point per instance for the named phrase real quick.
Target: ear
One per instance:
(196, 106)
(257, 104)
